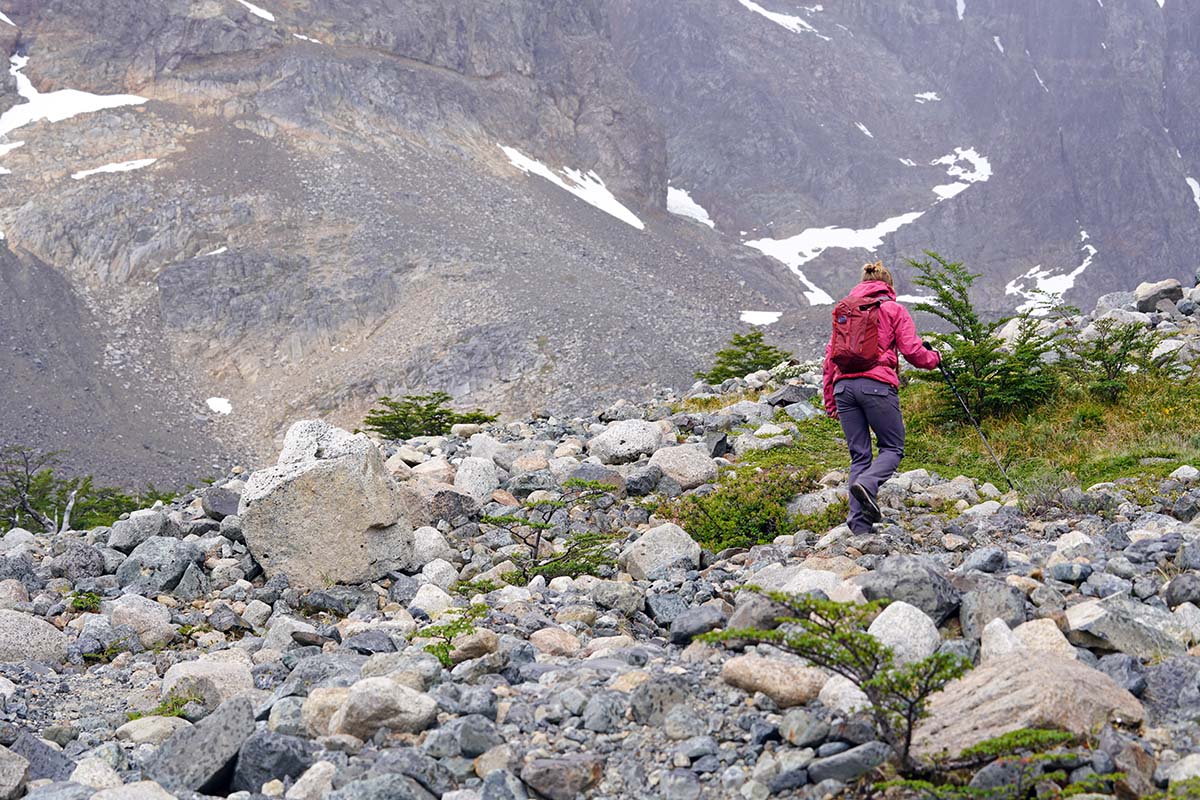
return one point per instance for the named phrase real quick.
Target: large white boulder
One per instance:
(150, 620)
(907, 630)
(375, 703)
(24, 637)
(477, 477)
(329, 512)
(625, 441)
(659, 548)
(687, 464)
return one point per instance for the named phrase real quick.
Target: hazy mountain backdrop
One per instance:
(220, 217)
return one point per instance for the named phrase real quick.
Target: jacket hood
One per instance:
(872, 288)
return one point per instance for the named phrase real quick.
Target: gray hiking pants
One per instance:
(865, 405)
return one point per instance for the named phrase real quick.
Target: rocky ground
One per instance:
(275, 634)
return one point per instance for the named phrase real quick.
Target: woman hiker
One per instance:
(862, 385)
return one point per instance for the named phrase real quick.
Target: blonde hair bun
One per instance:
(877, 272)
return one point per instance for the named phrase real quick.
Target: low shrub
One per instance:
(747, 508)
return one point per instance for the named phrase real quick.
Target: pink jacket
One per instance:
(896, 331)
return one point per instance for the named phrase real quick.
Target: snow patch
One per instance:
(6, 19)
(1161, 3)
(793, 24)
(216, 252)
(927, 97)
(979, 169)
(999, 46)
(962, 8)
(307, 38)
(913, 299)
(54, 106)
(258, 12)
(863, 128)
(802, 248)
(1045, 283)
(680, 202)
(220, 405)
(761, 317)
(1195, 184)
(587, 187)
(1041, 82)
(908, 162)
(124, 166)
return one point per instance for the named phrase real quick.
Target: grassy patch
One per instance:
(711, 403)
(172, 706)
(85, 601)
(1071, 433)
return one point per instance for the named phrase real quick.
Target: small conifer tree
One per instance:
(419, 415)
(746, 353)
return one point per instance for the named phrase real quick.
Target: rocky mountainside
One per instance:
(291, 208)
(352, 622)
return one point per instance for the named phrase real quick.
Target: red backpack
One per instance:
(856, 333)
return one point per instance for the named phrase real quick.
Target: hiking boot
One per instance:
(866, 500)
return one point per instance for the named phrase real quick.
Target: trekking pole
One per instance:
(979, 430)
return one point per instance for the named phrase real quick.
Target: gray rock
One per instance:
(1123, 624)
(752, 610)
(694, 622)
(428, 772)
(78, 561)
(14, 772)
(1182, 589)
(476, 735)
(1188, 557)
(989, 601)
(141, 525)
(199, 758)
(625, 598)
(604, 712)
(680, 784)
(220, 502)
(643, 480)
(1128, 673)
(802, 728)
(26, 637)
(45, 762)
(665, 608)
(66, 790)
(563, 778)
(790, 394)
(1148, 295)
(501, 784)
(599, 473)
(157, 565)
(328, 512)
(269, 755)
(916, 581)
(985, 559)
(382, 787)
(850, 765)
(654, 698)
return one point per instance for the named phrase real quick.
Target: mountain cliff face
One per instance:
(299, 205)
